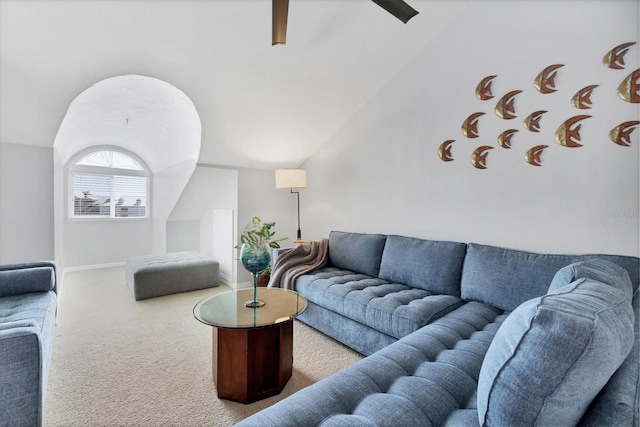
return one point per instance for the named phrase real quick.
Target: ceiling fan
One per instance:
(280, 11)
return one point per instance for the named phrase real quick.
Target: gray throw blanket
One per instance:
(297, 261)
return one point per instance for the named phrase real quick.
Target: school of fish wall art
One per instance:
(568, 133)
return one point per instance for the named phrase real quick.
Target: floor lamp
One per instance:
(292, 178)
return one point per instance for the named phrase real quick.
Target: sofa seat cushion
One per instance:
(37, 306)
(421, 379)
(392, 308)
(554, 354)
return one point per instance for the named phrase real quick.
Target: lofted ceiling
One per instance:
(260, 106)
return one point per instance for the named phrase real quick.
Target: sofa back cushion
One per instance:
(426, 264)
(26, 280)
(356, 252)
(553, 354)
(505, 278)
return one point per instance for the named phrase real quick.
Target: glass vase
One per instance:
(255, 258)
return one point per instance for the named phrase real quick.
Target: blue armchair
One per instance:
(28, 303)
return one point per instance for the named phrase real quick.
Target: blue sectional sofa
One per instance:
(463, 334)
(28, 306)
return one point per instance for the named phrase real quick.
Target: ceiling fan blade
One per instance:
(397, 8)
(279, 13)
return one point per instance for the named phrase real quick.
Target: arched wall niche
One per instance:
(144, 116)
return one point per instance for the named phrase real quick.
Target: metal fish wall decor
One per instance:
(545, 80)
(483, 90)
(505, 108)
(470, 125)
(444, 151)
(582, 98)
(614, 59)
(504, 139)
(532, 156)
(532, 122)
(621, 134)
(629, 89)
(568, 134)
(479, 156)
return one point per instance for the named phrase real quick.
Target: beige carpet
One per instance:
(121, 362)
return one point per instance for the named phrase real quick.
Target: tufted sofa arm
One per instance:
(28, 305)
(21, 388)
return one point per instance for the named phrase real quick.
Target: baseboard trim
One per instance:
(244, 285)
(93, 266)
(225, 278)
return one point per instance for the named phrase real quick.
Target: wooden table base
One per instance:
(252, 364)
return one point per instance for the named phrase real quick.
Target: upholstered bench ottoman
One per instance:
(151, 276)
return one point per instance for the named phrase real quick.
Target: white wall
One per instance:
(89, 242)
(98, 242)
(218, 241)
(257, 196)
(381, 172)
(183, 235)
(168, 185)
(26, 203)
(195, 221)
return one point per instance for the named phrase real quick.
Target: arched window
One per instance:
(107, 183)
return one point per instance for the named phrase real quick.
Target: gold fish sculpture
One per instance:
(545, 80)
(483, 90)
(505, 107)
(614, 59)
(532, 122)
(629, 89)
(479, 156)
(582, 98)
(504, 139)
(470, 125)
(444, 151)
(532, 156)
(621, 134)
(567, 135)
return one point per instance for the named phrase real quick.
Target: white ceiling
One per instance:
(260, 106)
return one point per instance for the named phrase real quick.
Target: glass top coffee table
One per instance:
(252, 347)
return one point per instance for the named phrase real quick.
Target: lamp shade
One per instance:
(291, 178)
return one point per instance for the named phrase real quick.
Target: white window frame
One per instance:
(110, 172)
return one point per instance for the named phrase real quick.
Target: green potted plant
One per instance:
(260, 233)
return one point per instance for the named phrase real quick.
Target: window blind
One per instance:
(91, 195)
(109, 195)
